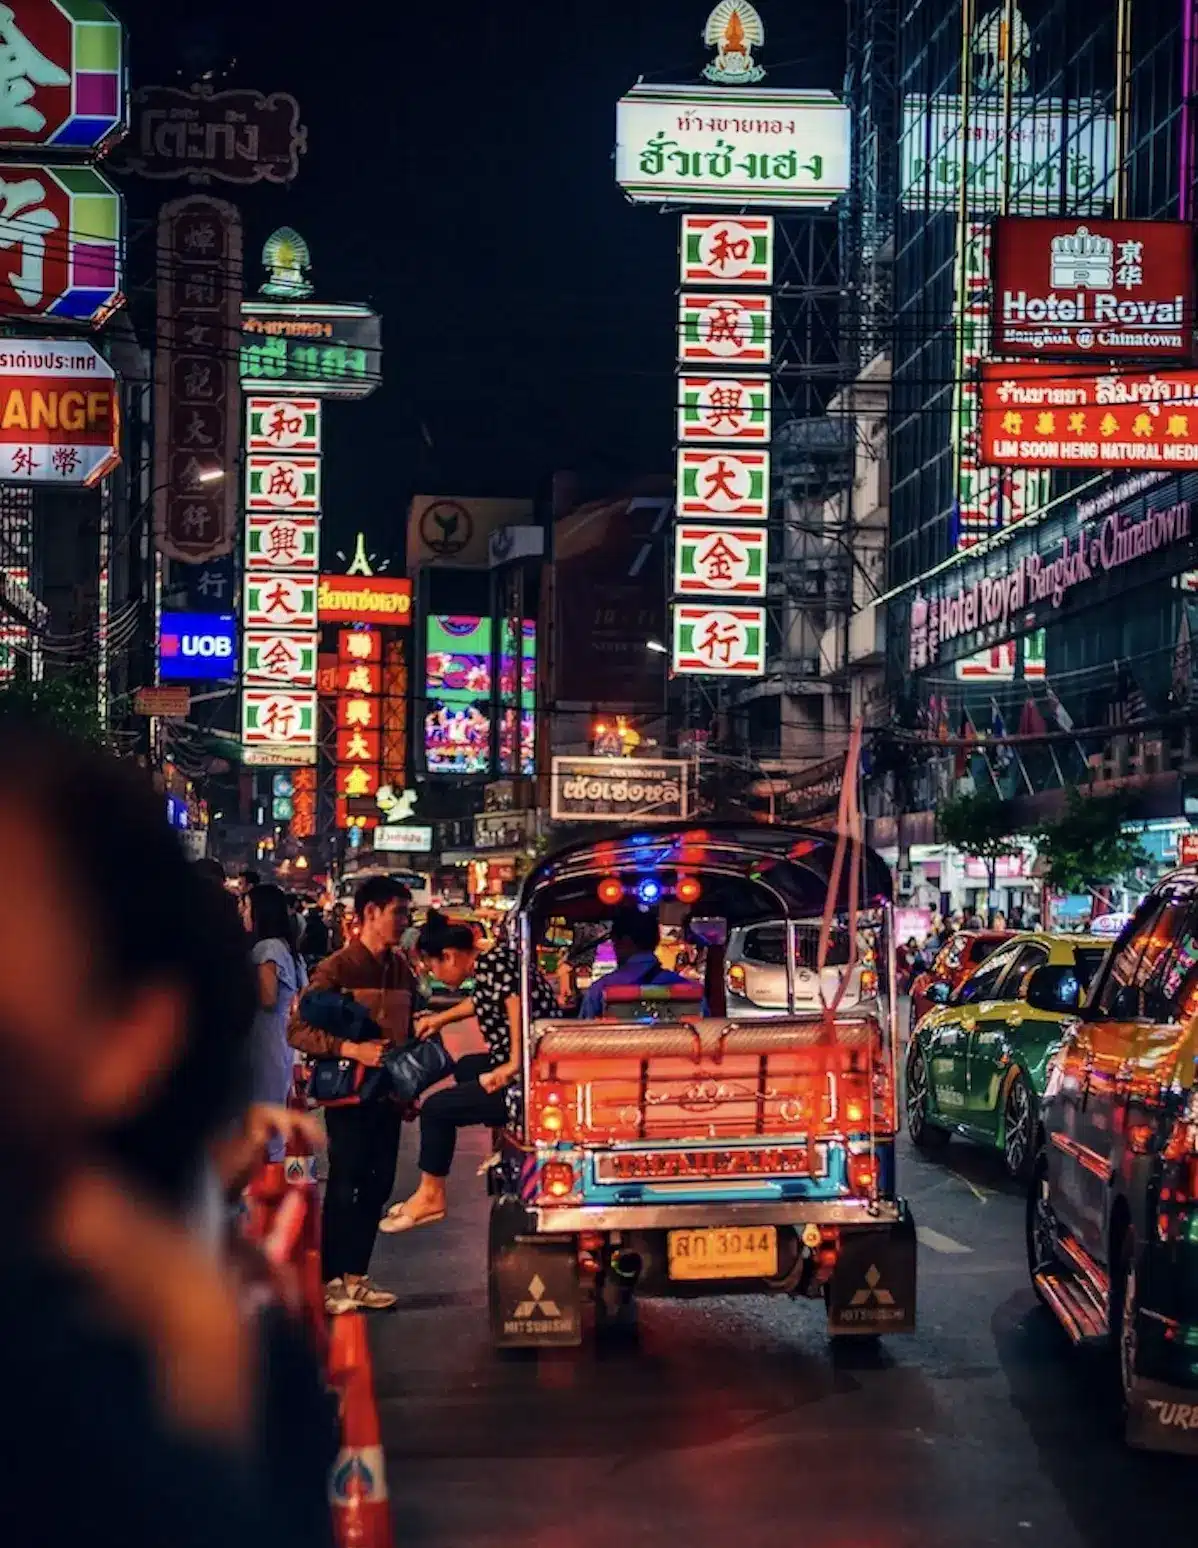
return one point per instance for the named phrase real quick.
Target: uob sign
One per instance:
(197, 645)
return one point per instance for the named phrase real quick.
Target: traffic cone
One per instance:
(358, 1480)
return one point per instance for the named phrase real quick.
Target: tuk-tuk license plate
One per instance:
(723, 1253)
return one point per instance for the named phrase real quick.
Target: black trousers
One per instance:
(457, 1107)
(363, 1150)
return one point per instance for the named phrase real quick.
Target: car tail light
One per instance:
(869, 984)
(863, 1175)
(736, 978)
(558, 1181)
(553, 1114)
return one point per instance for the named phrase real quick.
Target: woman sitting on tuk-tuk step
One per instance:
(483, 1091)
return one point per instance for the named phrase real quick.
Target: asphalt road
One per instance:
(733, 1423)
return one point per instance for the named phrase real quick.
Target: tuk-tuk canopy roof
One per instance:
(746, 872)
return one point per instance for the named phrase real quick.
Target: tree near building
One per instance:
(981, 825)
(66, 701)
(1085, 847)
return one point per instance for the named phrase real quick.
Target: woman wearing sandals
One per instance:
(484, 1092)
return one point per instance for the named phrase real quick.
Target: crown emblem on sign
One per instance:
(1082, 260)
(734, 29)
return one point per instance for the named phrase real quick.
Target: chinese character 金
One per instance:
(718, 561)
(279, 659)
(357, 782)
(22, 70)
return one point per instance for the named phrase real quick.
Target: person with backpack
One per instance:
(635, 935)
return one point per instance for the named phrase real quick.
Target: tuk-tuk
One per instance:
(666, 1149)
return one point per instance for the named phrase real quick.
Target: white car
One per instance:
(755, 972)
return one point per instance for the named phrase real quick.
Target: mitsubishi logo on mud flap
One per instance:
(538, 1304)
(538, 1313)
(872, 1302)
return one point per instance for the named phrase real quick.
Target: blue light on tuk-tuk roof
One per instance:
(649, 891)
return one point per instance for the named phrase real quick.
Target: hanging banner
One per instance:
(724, 329)
(727, 250)
(724, 484)
(698, 145)
(722, 561)
(65, 74)
(197, 403)
(724, 409)
(59, 412)
(282, 542)
(1108, 288)
(719, 641)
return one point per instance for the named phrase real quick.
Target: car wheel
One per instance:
(924, 1135)
(1125, 1304)
(1019, 1123)
(1041, 1224)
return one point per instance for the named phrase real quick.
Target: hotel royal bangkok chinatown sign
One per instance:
(730, 141)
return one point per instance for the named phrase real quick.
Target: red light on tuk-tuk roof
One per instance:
(611, 890)
(688, 890)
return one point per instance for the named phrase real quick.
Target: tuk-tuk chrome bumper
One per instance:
(656, 1216)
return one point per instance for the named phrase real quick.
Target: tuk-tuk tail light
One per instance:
(863, 1174)
(558, 1182)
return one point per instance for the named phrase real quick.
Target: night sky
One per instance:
(459, 178)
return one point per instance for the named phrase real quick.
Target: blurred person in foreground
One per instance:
(281, 976)
(149, 1406)
(363, 1138)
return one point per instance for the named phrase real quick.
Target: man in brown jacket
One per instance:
(363, 1140)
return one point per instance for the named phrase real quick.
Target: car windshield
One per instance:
(1088, 959)
(767, 945)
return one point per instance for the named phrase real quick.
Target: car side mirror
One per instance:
(1054, 989)
(938, 993)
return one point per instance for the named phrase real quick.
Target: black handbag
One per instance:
(416, 1065)
(345, 1083)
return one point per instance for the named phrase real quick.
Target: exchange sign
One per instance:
(699, 145)
(59, 417)
(64, 74)
(282, 542)
(63, 249)
(723, 484)
(722, 561)
(727, 250)
(723, 409)
(280, 657)
(1100, 287)
(1046, 416)
(719, 641)
(271, 716)
(724, 329)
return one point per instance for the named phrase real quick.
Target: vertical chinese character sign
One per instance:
(359, 724)
(197, 395)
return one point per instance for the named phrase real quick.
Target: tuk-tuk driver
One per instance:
(635, 936)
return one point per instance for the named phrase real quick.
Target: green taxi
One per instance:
(976, 1062)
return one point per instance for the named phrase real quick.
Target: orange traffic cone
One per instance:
(358, 1481)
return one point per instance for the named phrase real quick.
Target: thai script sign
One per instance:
(59, 415)
(618, 789)
(723, 409)
(727, 250)
(233, 136)
(304, 347)
(390, 839)
(365, 599)
(1105, 287)
(197, 402)
(696, 145)
(724, 329)
(723, 484)
(718, 641)
(1054, 154)
(64, 75)
(1035, 415)
(64, 244)
(1041, 583)
(721, 560)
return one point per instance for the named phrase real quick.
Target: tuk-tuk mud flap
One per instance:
(1161, 1418)
(872, 1289)
(532, 1285)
